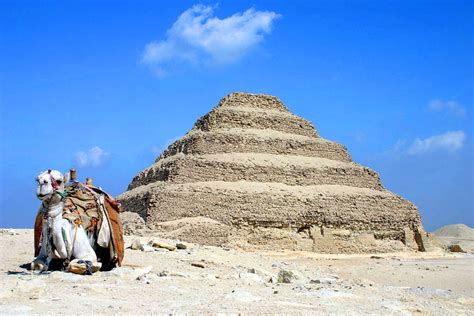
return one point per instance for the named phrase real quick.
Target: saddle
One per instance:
(97, 212)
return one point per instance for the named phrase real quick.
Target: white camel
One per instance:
(61, 239)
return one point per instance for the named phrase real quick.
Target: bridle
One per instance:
(54, 183)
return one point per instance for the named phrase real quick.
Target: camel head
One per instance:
(49, 181)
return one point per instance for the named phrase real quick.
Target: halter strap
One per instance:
(54, 183)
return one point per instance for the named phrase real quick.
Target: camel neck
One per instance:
(54, 207)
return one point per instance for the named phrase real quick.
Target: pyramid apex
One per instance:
(262, 101)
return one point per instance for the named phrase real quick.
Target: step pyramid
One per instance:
(252, 174)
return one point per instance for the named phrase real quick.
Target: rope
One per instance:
(77, 222)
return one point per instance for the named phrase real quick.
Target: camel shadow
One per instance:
(54, 265)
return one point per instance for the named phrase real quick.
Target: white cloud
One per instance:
(94, 157)
(448, 106)
(197, 36)
(450, 141)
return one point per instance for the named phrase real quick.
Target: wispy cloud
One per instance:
(449, 141)
(447, 106)
(198, 36)
(94, 157)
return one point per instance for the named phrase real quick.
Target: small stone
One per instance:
(456, 248)
(160, 244)
(198, 264)
(147, 248)
(181, 246)
(286, 276)
(136, 245)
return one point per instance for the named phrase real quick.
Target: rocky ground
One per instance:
(205, 279)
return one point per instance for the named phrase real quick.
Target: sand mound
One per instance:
(456, 234)
(455, 230)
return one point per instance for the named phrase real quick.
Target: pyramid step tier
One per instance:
(247, 117)
(277, 205)
(260, 101)
(287, 169)
(246, 140)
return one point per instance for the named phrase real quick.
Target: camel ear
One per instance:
(66, 177)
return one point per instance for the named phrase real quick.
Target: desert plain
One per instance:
(209, 280)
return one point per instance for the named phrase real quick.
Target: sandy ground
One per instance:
(234, 281)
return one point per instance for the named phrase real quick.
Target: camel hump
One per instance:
(83, 200)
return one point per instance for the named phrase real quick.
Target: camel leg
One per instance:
(41, 262)
(85, 258)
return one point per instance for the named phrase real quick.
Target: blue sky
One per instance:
(105, 85)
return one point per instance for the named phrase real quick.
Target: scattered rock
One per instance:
(181, 246)
(147, 248)
(198, 264)
(456, 248)
(376, 257)
(163, 245)
(136, 245)
(286, 276)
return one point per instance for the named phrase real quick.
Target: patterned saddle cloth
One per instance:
(84, 207)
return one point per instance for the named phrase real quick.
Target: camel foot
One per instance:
(38, 265)
(83, 267)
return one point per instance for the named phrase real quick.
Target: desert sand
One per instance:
(234, 281)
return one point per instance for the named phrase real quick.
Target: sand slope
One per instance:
(456, 234)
